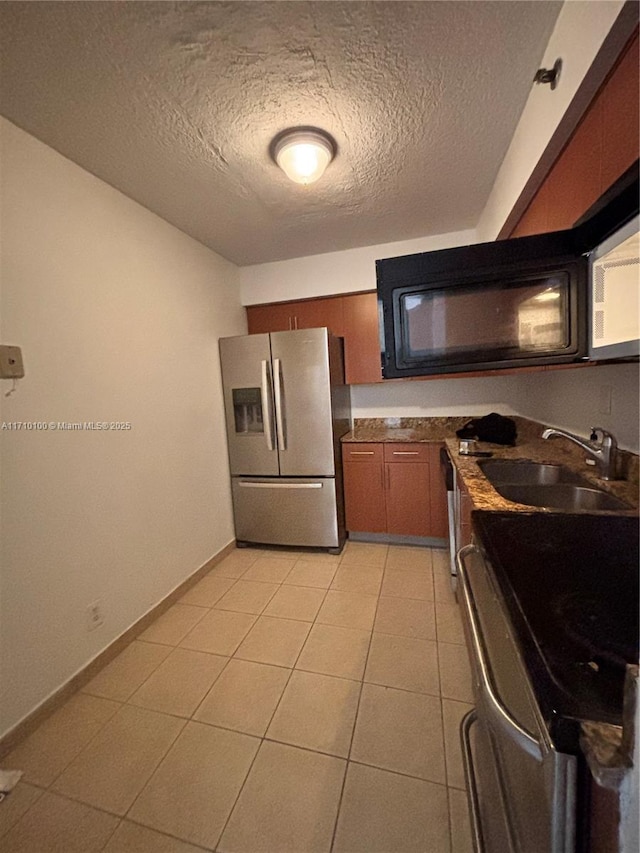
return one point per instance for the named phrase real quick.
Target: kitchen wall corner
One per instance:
(334, 272)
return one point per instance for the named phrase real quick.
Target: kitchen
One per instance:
(124, 521)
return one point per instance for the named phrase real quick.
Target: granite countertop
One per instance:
(376, 430)
(529, 445)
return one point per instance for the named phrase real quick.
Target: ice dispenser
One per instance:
(247, 410)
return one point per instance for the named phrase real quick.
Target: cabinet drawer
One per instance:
(407, 452)
(362, 452)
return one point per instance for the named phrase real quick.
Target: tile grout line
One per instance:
(121, 704)
(115, 829)
(355, 718)
(163, 832)
(263, 738)
(202, 722)
(442, 727)
(126, 702)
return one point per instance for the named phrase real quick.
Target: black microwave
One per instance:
(510, 303)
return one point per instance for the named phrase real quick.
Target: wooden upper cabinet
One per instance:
(361, 339)
(603, 146)
(305, 314)
(354, 318)
(315, 313)
(268, 318)
(534, 219)
(620, 117)
(574, 182)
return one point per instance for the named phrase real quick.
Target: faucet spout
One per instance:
(603, 451)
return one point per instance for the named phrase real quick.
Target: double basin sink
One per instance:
(551, 486)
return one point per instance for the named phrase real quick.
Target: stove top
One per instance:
(570, 583)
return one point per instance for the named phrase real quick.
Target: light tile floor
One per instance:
(290, 702)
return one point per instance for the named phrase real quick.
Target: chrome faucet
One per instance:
(603, 451)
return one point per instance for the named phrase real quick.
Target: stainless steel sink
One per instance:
(560, 496)
(552, 486)
(524, 472)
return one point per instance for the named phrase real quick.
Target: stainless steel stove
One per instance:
(550, 602)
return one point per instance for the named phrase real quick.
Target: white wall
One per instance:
(335, 272)
(436, 398)
(580, 30)
(118, 315)
(577, 399)
(574, 400)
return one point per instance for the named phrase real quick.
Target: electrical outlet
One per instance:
(95, 615)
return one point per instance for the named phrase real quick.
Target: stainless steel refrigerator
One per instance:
(286, 407)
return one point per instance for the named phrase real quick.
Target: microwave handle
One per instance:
(510, 727)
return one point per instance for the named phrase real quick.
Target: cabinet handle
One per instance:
(290, 325)
(295, 323)
(361, 453)
(406, 452)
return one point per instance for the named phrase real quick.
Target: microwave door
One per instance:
(302, 393)
(247, 381)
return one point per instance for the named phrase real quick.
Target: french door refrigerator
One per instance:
(286, 407)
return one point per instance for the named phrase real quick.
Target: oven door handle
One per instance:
(470, 775)
(510, 727)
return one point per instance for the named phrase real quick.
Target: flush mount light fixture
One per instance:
(303, 153)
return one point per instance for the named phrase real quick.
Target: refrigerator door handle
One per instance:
(266, 405)
(249, 485)
(279, 397)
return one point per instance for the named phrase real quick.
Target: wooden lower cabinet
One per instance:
(390, 488)
(364, 496)
(408, 501)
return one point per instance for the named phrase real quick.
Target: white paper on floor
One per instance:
(8, 780)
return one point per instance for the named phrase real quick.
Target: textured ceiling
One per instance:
(175, 104)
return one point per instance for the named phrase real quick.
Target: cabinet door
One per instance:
(305, 314)
(574, 181)
(361, 339)
(620, 120)
(316, 313)
(407, 498)
(438, 493)
(269, 318)
(364, 496)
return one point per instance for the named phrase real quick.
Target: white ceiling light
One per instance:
(303, 153)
